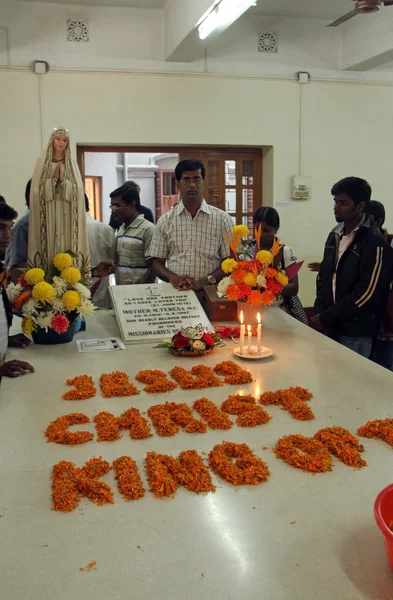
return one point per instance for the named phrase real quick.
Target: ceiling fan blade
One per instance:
(346, 17)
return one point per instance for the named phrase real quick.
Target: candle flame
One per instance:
(259, 318)
(248, 328)
(241, 317)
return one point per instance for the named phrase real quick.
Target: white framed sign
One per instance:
(153, 312)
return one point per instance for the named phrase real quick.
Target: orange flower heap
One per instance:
(57, 431)
(128, 479)
(234, 375)
(212, 415)
(117, 384)
(341, 443)
(157, 381)
(168, 417)
(139, 426)
(249, 414)
(165, 474)
(379, 429)
(198, 378)
(107, 426)
(70, 483)
(304, 453)
(291, 400)
(84, 388)
(247, 469)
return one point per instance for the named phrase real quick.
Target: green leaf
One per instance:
(164, 345)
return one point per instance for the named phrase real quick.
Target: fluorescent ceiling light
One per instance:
(223, 15)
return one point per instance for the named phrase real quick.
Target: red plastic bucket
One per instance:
(383, 511)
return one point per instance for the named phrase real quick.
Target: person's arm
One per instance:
(16, 255)
(292, 288)
(14, 368)
(374, 276)
(180, 282)
(149, 261)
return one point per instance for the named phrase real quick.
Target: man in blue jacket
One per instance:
(355, 274)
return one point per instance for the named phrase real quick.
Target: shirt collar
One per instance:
(204, 207)
(341, 227)
(135, 223)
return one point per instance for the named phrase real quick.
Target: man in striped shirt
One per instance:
(190, 241)
(354, 276)
(134, 264)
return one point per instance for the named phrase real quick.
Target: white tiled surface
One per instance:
(333, 551)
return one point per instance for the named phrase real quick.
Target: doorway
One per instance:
(233, 180)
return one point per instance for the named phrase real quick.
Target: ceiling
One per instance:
(324, 9)
(129, 3)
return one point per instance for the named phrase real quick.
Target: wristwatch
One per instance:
(211, 279)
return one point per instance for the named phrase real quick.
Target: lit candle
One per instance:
(242, 332)
(249, 338)
(259, 333)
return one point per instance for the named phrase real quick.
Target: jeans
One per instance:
(382, 354)
(361, 345)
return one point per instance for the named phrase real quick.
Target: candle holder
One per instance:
(253, 354)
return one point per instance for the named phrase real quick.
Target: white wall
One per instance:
(348, 131)
(103, 165)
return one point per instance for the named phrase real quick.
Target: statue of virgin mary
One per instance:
(57, 220)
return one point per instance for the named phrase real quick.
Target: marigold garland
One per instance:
(70, 484)
(165, 474)
(210, 413)
(248, 469)
(342, 444)
(138, 426)
(84, 388)
(107, 426)
(234, 375)
(379, 429)
(129, 481)
(305, 453)
(57, 431)
(20, 300)
(117, 384)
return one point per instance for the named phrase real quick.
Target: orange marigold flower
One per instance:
(267, 297)
(255, 298)
(238, 275)
(270, 273)
(232, 292)
(139, 426)
(107, 426)
(379, 429)
(150, 376)
(243, 290)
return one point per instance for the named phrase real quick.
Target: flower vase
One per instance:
(250, 313)
(50, 337)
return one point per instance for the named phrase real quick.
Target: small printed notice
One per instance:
(101, 345)
(152, 312)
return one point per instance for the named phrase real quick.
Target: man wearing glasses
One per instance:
(190, 241)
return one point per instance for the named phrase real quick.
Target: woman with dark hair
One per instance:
(269, 221)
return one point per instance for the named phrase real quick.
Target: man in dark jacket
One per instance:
(353, 281)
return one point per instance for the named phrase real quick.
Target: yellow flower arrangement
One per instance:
(282, 278)
(34, 276)
(71, 275)
(229, 265)
(43, 292)
(71, 300)
(28, 325)
(265, 257)
(62, 261)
